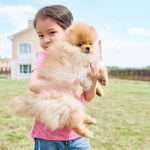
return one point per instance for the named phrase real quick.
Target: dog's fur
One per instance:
(86, 39)
(65, 66)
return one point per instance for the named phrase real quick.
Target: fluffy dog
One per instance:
(86, 39)
(66, 67)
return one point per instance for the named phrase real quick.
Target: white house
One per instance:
(25, 46)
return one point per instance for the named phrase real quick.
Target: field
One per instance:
(123, 117)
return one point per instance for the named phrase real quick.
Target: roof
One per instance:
(11, 37)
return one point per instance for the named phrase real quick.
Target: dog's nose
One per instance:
(87, 49)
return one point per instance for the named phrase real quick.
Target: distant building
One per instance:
(5, 67)
(25, 46)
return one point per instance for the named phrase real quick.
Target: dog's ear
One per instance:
(92, 29)
(70, 36)
(69, 31)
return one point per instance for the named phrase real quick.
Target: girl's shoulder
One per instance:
(42, 53)
(39, 60)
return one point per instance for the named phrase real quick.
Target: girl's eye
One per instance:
(79, 45)
(91, 43)
(40, 36)
(52, 33)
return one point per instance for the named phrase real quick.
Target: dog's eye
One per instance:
(79, 45)
(91, 43)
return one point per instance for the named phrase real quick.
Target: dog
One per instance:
(66, 67)
(86, 39)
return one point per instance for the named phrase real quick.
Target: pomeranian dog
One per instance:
(65, 67)
(86, 39)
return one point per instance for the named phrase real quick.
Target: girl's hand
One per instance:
(94, 73)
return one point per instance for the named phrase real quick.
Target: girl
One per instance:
(50, 24)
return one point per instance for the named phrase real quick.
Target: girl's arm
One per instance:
(94, 74)
(37, 84)
(89, 94)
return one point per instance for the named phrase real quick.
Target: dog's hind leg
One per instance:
(89, 120)
(82, 130)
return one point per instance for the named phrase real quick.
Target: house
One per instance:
(25, 47)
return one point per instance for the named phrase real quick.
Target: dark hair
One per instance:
(59, 13)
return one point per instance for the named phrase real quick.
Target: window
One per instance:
(25, 48)
(25, 68)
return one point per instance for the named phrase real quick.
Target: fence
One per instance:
(134, 74)
(5, 74)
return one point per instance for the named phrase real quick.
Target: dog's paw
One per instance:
(103, 82)
(100, 94)
(89, 135)
(94, 121)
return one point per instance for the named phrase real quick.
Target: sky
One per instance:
(123, 26)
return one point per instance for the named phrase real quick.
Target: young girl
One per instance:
(50, 23)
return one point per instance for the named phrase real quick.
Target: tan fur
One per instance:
(85, 37)
(65, 65)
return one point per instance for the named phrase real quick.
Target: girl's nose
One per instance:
(47, 39)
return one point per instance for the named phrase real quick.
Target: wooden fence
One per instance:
(134, 74)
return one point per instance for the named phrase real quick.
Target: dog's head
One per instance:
(83, 36)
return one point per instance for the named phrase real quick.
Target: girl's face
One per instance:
(48, 31)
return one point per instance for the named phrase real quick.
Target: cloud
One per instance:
(108, 35)
(120, 23)
(17, 15)
(120, 51)
(138, 31)
(126, 53)
(5, 45)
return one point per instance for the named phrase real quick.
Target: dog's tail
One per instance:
(22, 107)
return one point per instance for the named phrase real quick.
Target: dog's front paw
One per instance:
(103, 82)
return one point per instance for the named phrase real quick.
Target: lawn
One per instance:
(123, 117)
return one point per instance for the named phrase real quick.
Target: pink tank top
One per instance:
(38, 129)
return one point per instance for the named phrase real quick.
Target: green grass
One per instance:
(14, 132)
(123, 117)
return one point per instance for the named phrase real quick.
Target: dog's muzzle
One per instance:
(87, 50)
